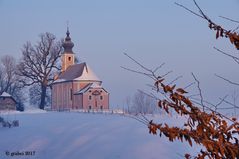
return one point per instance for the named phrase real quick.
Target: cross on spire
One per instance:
(68, 32)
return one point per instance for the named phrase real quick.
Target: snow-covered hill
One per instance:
(68, 135)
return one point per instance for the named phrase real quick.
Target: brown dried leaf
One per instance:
(210, 25)
(167, 89)
(217, 34)
(187, 156)
(172, 88)
(160, 104)
(187, 101)
(180, 90)
(221, 32)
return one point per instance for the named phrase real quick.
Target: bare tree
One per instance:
(128, 103)
(39, 62)
(10, 81)
(7, 72)
(143, 104)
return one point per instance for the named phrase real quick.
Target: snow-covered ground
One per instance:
(72, 135)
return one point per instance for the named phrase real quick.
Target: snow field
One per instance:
(72, 135)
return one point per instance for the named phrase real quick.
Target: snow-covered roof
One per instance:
(59, 80)
(79, 72)
(5, 94)
(87, 75)
(87, 87)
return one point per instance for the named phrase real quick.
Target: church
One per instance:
(77, 86)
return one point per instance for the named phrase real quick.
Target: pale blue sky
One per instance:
(151, 31)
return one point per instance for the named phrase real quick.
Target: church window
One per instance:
(101, 97)
(69, 58)
(89, 107)
(90, 97)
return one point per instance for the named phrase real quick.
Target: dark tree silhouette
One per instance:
(39, 62)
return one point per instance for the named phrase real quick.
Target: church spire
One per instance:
(67, 58)
(67, 32)
(68, 44)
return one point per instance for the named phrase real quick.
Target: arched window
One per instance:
(89, 107)
(69, 58)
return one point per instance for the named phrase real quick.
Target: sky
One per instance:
(151, 31)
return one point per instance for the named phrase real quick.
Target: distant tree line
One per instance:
(141, 103)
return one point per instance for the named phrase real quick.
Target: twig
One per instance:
(149, 95)
(189, 85)
(137, 63)
(138, 72)
(235, 21)
(220, 114)
(166, 74)
(138, 119)
(145, 118)
(229, 103)
(180, 5)
(200, 10)
(177, 78)
(199, 99)
(199, 89)
(236, 28)
(159, 67)
(220, 102)
(236, 59)
(229, 81)
(193, 95)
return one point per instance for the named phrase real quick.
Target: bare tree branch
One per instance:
(236, 59)
(229, 81)
(180, 5)
(224, 100)
(138, 72)
(177, 78)
(189, 85)
(235, 21)
(220, 31)
(200, 91)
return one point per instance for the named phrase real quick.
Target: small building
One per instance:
(7, 102)
(77, 86)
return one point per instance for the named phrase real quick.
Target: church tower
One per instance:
(67, 58)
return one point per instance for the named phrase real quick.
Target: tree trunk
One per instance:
(43, 97)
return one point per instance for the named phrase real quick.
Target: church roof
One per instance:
(88, 86)
(5, 94)
(79, 72)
